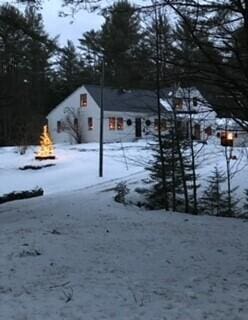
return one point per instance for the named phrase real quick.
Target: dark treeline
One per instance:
(204, 46)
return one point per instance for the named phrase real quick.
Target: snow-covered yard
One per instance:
(76, 167)
(75, 254)
(81, 256)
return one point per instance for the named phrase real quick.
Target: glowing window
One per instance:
(83, 100)
(112, 123)
(90, 123)
(120, 124)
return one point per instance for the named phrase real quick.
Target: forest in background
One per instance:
(205, 46)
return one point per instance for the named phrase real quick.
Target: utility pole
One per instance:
(160, 140)
(101, 122)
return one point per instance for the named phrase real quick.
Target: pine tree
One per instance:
(25, 50)
(120, 38)
(163, 27)
(229, 207)
(70, 69)
(157, 194)
(212, 201)
(177, 171)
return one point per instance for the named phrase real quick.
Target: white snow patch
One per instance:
(101, 260)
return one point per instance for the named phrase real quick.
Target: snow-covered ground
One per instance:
(75, 254)
(81, 256)
(76, 167)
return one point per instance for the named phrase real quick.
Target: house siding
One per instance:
(203, 118)
(129, 132)
(93, 111)
(73, 102)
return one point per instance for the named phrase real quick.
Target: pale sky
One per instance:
(72, 29)
(68, 28)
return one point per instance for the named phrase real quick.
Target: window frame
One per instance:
(90, 124)
(119, 123)
(83, 100)
(112, 123)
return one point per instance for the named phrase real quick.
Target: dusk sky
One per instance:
(68, 28)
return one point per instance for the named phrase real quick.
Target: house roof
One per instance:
(126, 100)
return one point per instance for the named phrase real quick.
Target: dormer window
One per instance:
(83, 100)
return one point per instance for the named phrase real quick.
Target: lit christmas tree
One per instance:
(46, 146)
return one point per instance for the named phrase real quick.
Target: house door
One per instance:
(138, 132)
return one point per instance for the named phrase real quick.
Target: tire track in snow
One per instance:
(109, 183)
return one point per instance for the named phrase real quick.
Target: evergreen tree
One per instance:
(229, 207)
(120, 43)
(120, 38)
(177, 162)
(165, 38)
(212, 200)
(24, 53)
(91, 47)
(156, 196)
(70, 68)
(69, 74)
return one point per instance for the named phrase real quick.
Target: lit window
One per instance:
(112, 123)
(226, 138)
(83, 100)
(120, 124)
(229, 136)
(59, 127)
(90, 123)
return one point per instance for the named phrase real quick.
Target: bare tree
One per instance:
(72, 124)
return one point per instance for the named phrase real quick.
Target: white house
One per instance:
(191, 105)
(128, 114)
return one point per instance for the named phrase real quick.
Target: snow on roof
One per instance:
(226, 123)
(166, 105)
